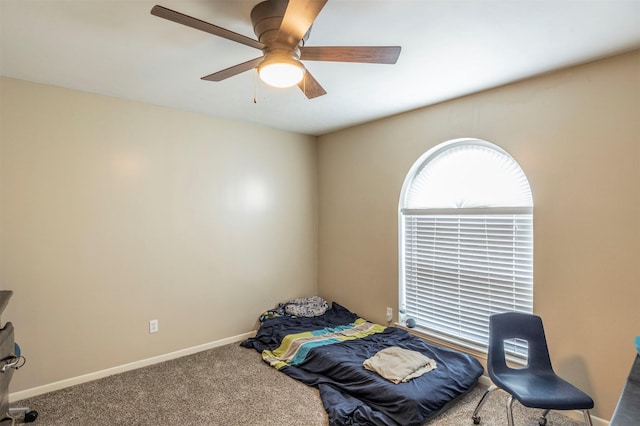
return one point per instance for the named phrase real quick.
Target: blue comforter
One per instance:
(353, 395)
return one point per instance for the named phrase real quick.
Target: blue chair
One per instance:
(535, 385)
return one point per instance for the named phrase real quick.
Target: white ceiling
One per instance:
(450, 48)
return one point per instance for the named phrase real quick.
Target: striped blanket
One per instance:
(294, 347)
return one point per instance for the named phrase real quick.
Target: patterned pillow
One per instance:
(306, 307)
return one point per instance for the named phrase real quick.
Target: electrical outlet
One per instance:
(389, 314)
(153, 326)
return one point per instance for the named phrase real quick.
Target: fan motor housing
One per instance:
(266, 18)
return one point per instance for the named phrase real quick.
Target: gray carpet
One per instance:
(229, 385)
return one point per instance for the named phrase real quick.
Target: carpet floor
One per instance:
(229, 385)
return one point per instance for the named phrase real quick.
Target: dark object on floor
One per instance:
(28, 415)
(535, 385)
(628, 410)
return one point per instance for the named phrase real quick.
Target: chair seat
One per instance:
(546, 391)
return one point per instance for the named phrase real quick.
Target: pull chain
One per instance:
(255, 86)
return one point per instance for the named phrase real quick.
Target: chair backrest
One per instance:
(514, 325)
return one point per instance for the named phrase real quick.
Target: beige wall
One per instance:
(576, 133)
(114, 213)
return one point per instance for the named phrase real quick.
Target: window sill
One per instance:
(441, 341)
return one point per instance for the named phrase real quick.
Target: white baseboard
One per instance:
(572, 414)
(28, 393)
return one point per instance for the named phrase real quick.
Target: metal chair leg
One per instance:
(474, 416)
(510, 410)
(543, 418)
(587, 418)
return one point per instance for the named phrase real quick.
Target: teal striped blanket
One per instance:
(294, 347)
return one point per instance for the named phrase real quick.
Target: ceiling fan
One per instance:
(282, 28)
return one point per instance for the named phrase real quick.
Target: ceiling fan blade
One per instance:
(297, 19)
(234, 70)
(363, 54)
(310, 86)
(189, 21)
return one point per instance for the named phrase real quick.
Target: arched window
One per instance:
(466, 242)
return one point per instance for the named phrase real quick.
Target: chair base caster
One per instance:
(30, 416)
(27, 414)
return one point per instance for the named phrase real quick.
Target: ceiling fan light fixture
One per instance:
(281, 70)
(282, 28)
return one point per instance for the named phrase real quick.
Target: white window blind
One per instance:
(466, 245)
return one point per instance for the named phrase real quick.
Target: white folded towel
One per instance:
(398, 364)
